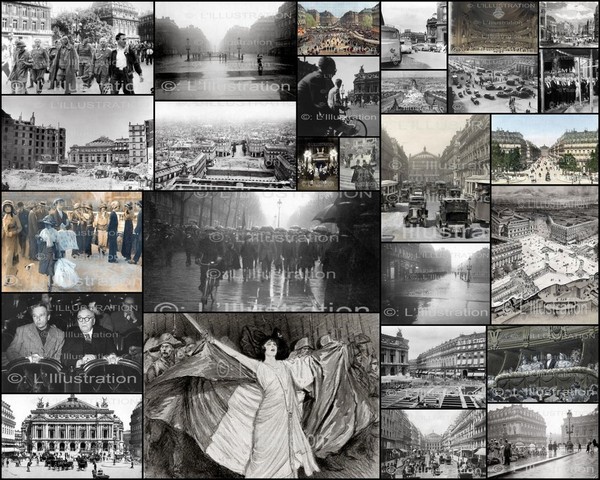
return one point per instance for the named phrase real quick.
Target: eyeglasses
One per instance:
(85, 319)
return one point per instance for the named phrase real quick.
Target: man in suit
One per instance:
(87, 341)
(38, 339)
(137, 234)
(550, 362)
(123, 62)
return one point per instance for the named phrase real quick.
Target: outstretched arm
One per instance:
(240, 357)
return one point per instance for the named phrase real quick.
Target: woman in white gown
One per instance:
(279, 446)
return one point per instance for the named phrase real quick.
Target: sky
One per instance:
(422, 338)
(233, 111)
(215, 18)
(391, 74)
(122, 405)
(554, 414)
(348, 67)
(408, 15)
(337, 8)
(84, 118)
(290, 202)
(573, 12)
(460, 251)
(544, 129)
(432, 421)
(58, 7)
(431, 131)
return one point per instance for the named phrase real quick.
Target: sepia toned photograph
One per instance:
(435, 283)
(493, 27)
(80, 48)
(569, 24)
(417, 444)
(493, 84)
(543, 364)
(542, 441)
(225, 145)
(318, 163)
(338, 96)
(58, 343)
(360, 162)
(263, 251)
(413, 92)
(545, 149)
(338, 28)
(95, 144)
(545, 255)
(414, 35)
(435, 187)
(261, 395)
(72, 436)
(225, 51)
(75, 242)
(425, 368)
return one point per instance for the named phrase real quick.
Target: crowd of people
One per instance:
(338, 42)
(320, 172)
(48, 234)
(563, 90)
(111, 63)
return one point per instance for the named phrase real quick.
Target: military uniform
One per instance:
(41, 63)
(86, 56)
(100, 68)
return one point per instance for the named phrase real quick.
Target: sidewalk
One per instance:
(523, 466)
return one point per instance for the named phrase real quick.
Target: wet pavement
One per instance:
(175, 288)
(578, 465)
(447, 299)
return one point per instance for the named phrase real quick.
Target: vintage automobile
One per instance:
(390, 45)
(389, 195)
(453, 218)
(440, 189)
(417, 211)
(404, 194)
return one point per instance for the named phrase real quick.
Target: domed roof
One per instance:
(73, 403)
(424, 155)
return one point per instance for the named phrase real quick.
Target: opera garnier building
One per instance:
(73, 426)
(545, 364)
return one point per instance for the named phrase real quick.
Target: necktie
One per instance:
(88, 337)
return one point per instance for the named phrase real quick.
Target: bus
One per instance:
(391, 51)
(389, 194)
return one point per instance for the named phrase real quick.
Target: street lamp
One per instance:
(278, 211)
(469, 270)
(239, 49)
(569, 431)
(187, 47)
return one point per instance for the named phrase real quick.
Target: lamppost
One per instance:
(187, 47)
(469, 270)
(278, 211)
(239, 49)
(569, 431)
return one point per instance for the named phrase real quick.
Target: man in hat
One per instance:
(166, 345)
(137, 234)
(60, 216)
(23, 215)
(41, 63)
(38, 339)
(33, 227)
(22, 64)
(123, 63)
(113, 231)
(64, 67)
(101, 66)
(87, 341)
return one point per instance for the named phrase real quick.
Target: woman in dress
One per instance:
(128, 217)
(11, 227)
(279, 446)
(113, 232)
(101, 226)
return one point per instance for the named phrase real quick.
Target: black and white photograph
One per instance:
(318, 163)
(414, 35)
(545, 149)
(338, 28)
(95, 144)
(435, 283)
(414, 92)
(569, 24)
(545, 255)
(360, 162)
(72, 436)
(261, 395)
(81, 343)
(71, 242)
(417, 444)
(425, 368)
(493, 83)
(542, 441)
(542, 364)
(225, 145)
(338, 96)
(81, 48)
(436, 175)
(570, 80)
(225, 51)
(493, 27)
(245, 252)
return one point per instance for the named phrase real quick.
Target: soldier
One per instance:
(64, 67)
(22, 64)
(41, 63)
(166, 345)
(101, 66)
(85, 50)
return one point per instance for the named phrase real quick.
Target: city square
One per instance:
(225, 51)
(568, 24)
(413, 92)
